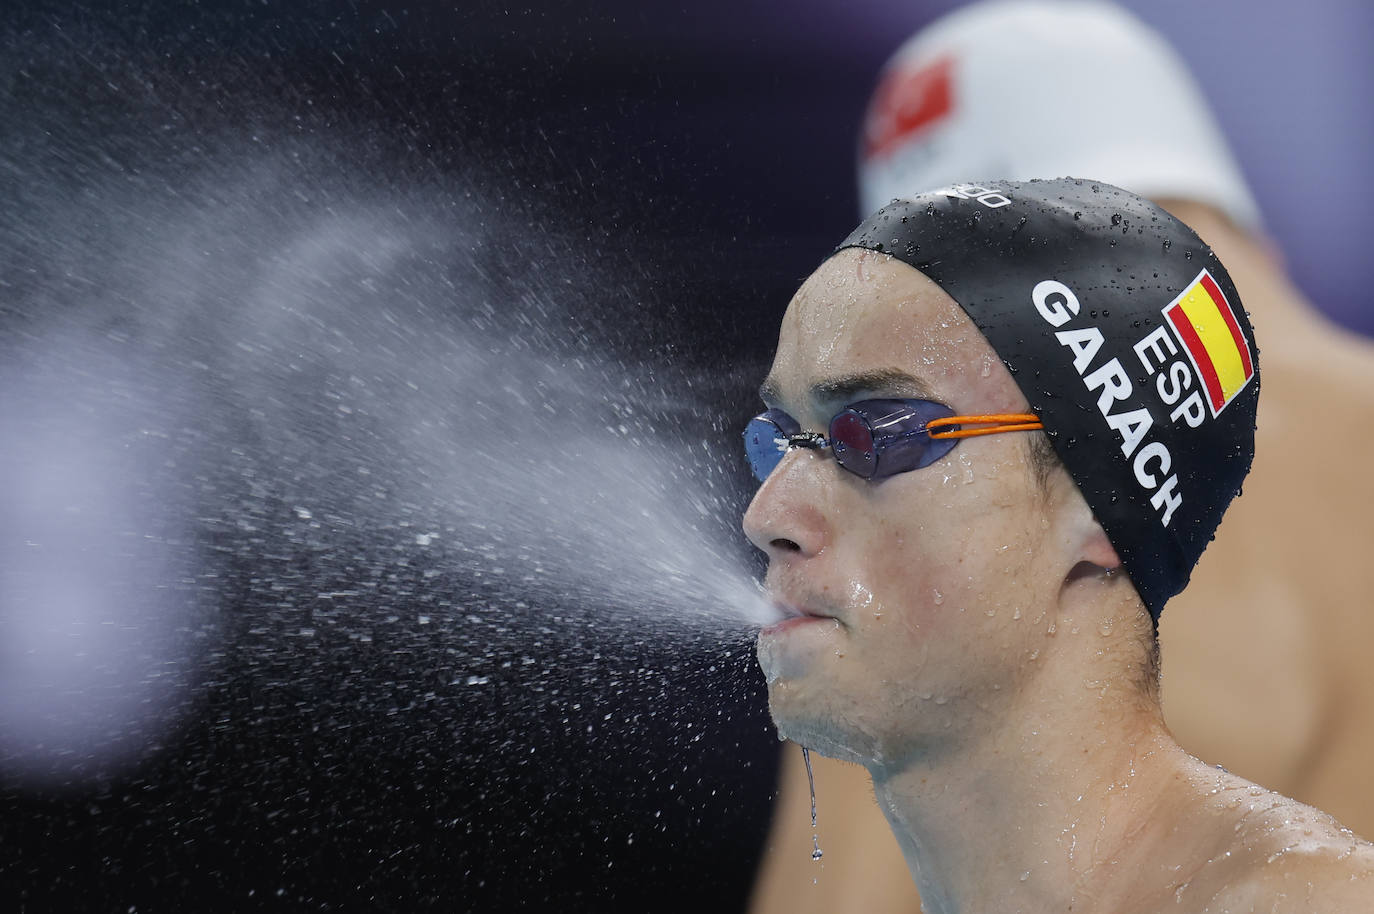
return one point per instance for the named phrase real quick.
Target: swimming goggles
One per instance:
(876, 438)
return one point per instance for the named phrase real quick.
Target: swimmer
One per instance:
(1288, 701)
(970, 604)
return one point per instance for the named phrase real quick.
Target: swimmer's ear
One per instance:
(1094, 557)
(1088, 541)
(1084, 538)
(1098, 550)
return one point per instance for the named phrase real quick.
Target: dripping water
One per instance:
(816, 852)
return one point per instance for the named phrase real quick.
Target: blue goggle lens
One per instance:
(766, 441)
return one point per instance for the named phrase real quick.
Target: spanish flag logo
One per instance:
(1208, 329)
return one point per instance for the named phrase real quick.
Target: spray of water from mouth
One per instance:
(344, 389)
(488, 442)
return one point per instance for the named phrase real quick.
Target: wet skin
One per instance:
(917, 594)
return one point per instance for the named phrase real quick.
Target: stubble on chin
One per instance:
(810, 720)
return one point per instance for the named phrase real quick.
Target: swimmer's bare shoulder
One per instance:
(1282, 857)
(1313, 876)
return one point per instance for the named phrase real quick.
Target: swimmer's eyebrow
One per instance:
(885, 381)
(888, 381)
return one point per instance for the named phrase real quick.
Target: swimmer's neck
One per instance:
(1059, 810)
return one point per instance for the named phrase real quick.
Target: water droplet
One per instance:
(816, 852)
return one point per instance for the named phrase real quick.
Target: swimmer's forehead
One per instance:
(867, 325)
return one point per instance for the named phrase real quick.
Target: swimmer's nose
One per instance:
(785, 519)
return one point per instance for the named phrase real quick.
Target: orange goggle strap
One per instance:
(989, 425)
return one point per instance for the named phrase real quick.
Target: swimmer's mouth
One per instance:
(788, 610)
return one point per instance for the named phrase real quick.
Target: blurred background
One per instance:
(634, 187)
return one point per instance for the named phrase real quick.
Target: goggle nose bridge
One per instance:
(811, 440)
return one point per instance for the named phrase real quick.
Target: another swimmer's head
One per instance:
(920, 569)
(1028, 88)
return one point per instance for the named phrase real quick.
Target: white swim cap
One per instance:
(1021, 89)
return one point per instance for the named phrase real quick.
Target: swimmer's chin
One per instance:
(821, 739)
(795, 722)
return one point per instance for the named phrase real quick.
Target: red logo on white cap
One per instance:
(909, 100)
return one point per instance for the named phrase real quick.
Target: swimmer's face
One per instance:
(924, 593)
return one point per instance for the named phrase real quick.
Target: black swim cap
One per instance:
(1126, 335)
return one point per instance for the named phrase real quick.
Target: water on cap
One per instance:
(1038, 88)
(1126, 336)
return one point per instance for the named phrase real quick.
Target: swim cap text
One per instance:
(1115, 394)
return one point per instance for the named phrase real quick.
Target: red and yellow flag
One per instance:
(1208, 329)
